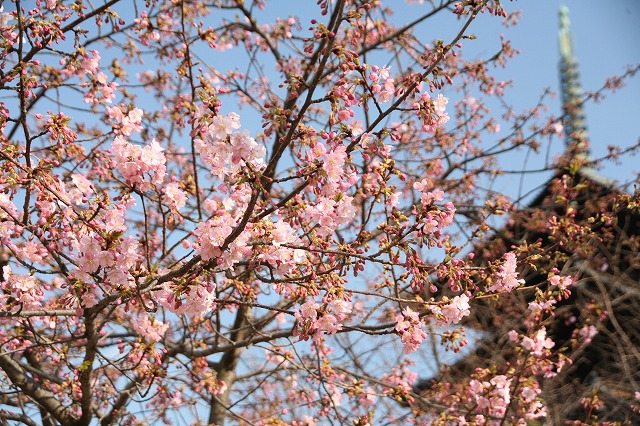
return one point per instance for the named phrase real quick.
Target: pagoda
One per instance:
(595, 238)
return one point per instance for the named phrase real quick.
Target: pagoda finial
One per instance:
(575, 125)
(566, 46)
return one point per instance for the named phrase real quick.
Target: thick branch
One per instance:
(86, 370)
(35, 391)
(227, 367)
(39, 313)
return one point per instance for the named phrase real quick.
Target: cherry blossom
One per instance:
(507, 276)
(409, 326)
(539, 343)
(229, 213)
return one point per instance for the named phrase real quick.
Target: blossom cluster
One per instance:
(125, 124)
(116, 263)
(507, 276)
(409, 325)
(85, 65)
(136, 162)
(20, 291)
(315, 320)
(538, 344)
(452, 312)
(492, 396)
(226, 150)
(382, 83)
(432, 112)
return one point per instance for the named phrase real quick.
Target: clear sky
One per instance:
(606, 38)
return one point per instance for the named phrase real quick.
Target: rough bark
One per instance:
(227, 367)
(32, 389)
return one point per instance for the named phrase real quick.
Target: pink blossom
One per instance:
(101, 91)
(561, 282)
(423, 185)
(331, 214)
(318, 150)
(33, 251)
(558, 128)
(454, 311)
(507, 277)
(366, 140)
(340, 308)
(538, 306)
(539, 343)
(227, 151)
(4, 17)
(387, 92)
(128, 253)
(356, 127)
(440, 104)
(316, 322)
(83, 184)
(126, 124)
(432, 112)
(90, 64)
(428, 195)
(222, 126)
(91, 261)
(432, 196)
(327, 324)
(196, 301)
(409, 326)
(529, 394)
(149, 327)
(120, 278)
(25, 289)
(491, 397)
(152, 158)
(333, 162)
(308, 310)
(282, 233)
(290, 66)
(177, 197)
(114, 112)
(211, 234)
(115, 221)
(345, 114)
(135, 162)
(586, 334)
(393, 199)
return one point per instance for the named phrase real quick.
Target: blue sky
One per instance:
(606, 37)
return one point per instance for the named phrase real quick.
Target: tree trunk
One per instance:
(227, 368)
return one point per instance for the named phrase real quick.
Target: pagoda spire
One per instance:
(575, 124)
